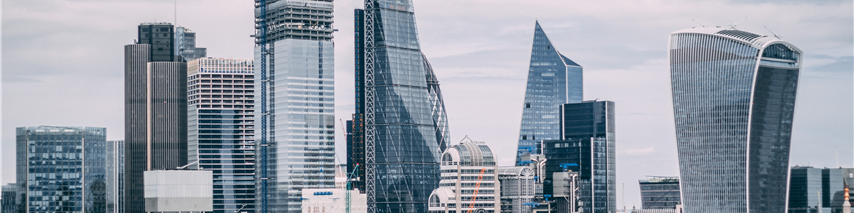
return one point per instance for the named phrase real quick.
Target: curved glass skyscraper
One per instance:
(400, 127)
(733, 102)
(553, 80)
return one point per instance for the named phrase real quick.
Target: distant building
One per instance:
(553, 80)
(179, 191)
(295, 102)
(333, 200)
(811, 189)
(660, 192)
(10, 202)
(587, 147)
(221, 128)
(517, 188)
(469, 181)
(733, 104)
(565, 191)
(115, 176)
(185, 45)
(155, 109)
(62, 169)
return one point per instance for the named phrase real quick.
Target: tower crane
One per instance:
(476, 189)
(355, 173)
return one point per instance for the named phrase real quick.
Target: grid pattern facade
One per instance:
(468, 173)
(394, 121)
(63, 168)
(437, 107)
(155, 118)
(660, 193)
(298, 97)
(517, 188)
(588, 147)
(221, 129)
(160, 37)
(115, 167)
(733, 101)
(553, 80)
(10, 199)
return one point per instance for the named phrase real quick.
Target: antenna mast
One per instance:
(733, 26)
(772, 32)
(698, 23)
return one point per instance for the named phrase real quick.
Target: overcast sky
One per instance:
(63, 65)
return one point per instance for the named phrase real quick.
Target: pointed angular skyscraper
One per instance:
(553, 80)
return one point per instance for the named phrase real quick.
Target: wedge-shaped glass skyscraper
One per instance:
(400, 127)
(733, 102)
(553, 80)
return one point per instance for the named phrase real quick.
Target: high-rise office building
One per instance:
(733, 102)
(221, 128)
(588, 147)
(294, 99)
(185, 45)
(660, 192)
(155, 109)
(553, 80)
(517, 188)
(62, 169)
(469, 182)
(399, 111)
(115, 162)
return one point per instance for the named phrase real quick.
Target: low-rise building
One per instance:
(333, 200)
(468, 180)
(517, 188)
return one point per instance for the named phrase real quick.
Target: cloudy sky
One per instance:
(63, 65)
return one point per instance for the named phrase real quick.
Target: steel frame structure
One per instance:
(261, 34)
(370, 93)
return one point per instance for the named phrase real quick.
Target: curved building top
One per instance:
(755, 40)
(468, 153)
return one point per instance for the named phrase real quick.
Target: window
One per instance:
(527, 105)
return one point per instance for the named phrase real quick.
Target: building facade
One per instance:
(813, 189)
(295, 101)
(333, 200)
(565, 191)
(733, 101)
(399, 111)
(553, 80)
(587, 147)
(660, 192)
(10, 200)
(62, 169)
(469, 182)
(115, 168)
(185, 45)
(155, 109)
(221, 129)
(517, 188)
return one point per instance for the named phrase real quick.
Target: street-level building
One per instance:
(469, 182)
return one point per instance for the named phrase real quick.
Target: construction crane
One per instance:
(476, 189)
(350, 185)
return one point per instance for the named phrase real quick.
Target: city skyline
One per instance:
(482, 73)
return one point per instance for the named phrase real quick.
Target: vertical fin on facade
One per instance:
(437, 106)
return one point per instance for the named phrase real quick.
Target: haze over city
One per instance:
(63, 66)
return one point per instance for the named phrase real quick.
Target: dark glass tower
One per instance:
(155, 110)
(733, 103)
(553, 80)
(804, 190)
(62, 169)
(400, 125)
(587, 146)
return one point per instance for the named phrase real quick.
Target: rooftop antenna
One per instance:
(176, 13)
(772, 32)
(837, 157)
(733, 26)
(698, 23)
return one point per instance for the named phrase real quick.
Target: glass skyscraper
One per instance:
(298, 99)
(587, 146)
(553, 80)
(221, 128)
(660, 192)
(400, 127)
(62, 169)
(185, 44)
(733, 102)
